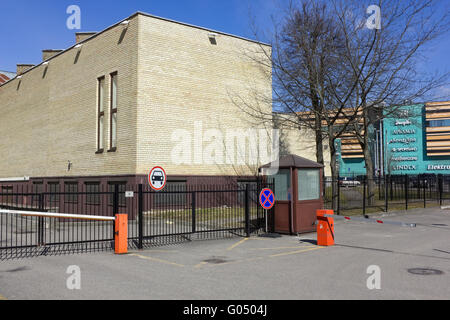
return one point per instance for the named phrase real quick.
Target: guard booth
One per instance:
(298, 193)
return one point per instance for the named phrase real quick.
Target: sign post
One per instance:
(267, 201)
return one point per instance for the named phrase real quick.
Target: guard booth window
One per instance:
(308, 185)
(282, 184)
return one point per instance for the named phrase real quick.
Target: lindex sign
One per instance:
(405, 144)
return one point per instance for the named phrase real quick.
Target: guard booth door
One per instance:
(283, 204)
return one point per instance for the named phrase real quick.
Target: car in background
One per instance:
(349, 182)
(423, 181)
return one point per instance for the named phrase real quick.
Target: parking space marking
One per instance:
(280, 248)
(201, 264)
(294, 252)
(157, 260)
(162, 251)
(237, 244)
(309, 248)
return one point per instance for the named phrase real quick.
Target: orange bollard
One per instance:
(121, 234)
(325, 228)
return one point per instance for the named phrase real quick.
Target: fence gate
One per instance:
(30, 225)
(179, 214)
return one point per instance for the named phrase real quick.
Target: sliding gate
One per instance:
(206, 212)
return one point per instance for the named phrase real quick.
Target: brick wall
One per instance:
(50, 116)
(169, 77)
(184, 79)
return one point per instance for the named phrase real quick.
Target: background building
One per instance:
(5, 76)
(411, 139)
(417, 139)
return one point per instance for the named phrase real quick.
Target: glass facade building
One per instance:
(413, 139)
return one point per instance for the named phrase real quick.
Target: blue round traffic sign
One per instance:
(267, 199)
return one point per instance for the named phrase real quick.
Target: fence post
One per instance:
(141, 216)
(338, 196)
(390, 188)
(419, 178)
(194, 221)
(272, 228)
(424, 193)
(364, 194)
(247, 212)
(386, 208)
(406, 190)
(379, 186)
(116, 200)
(440, 186)
(41, 220)
(115, 209)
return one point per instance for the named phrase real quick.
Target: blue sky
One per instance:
(28, 26)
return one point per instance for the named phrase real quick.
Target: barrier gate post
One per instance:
(121, 234)
(325, 228)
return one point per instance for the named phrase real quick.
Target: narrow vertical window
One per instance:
(101, 114)
(113, 120)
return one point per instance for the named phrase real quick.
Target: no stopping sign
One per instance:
(267, 199)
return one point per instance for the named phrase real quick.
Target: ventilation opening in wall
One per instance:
(212, 38)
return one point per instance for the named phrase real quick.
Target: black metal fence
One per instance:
(359, 195)
(177, 214)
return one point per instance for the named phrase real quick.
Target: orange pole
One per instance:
(325, 228)
(121, 234)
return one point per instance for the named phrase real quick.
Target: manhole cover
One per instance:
(425, 271)
(215, 260)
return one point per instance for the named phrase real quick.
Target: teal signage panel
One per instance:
(405, 143)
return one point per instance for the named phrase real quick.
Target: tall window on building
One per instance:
(4, 197)
(38, 188)
(113, 111)
(101, 114)
(122, 189)
(71, 190)
(92, 193)
(53, 188)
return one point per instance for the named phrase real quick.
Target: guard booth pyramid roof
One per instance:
(294, 161)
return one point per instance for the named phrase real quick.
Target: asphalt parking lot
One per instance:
(285, 268)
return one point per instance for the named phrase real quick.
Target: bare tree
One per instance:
(333, 69)
(306, 66)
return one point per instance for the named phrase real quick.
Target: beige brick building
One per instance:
(108, 108)
(300, 141)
